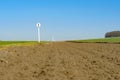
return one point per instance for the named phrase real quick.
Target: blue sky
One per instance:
(63, 19)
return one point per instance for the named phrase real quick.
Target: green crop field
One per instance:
(101, 40)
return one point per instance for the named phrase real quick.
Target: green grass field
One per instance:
(17, 43)
(101, 40)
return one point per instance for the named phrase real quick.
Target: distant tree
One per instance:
(112, 34)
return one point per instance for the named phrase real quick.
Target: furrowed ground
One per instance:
(61, 61)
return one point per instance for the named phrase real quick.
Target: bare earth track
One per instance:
(61, 61)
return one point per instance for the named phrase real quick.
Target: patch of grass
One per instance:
(101, 40)
(14, 42)
(18, 43)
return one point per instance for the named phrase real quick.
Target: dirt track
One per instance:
(61, 61)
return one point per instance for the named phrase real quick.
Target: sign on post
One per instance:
(38, 26)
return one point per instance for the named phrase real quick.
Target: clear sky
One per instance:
(63, 19)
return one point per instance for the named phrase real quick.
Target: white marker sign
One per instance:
(38, 26)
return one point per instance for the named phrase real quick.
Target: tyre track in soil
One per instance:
(61, 61)
(100, 54)
(109, 66)
(112, 56)
(85, 61)
(67, 64)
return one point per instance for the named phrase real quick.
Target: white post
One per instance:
(38, 26)
(38, 35)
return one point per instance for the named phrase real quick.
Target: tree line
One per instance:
(112, 34)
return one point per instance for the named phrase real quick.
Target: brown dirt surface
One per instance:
(61, 61)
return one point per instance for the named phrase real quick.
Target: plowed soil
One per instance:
(61, 61)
